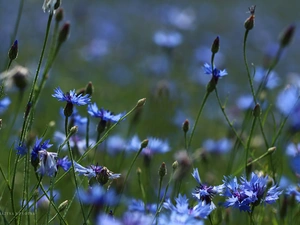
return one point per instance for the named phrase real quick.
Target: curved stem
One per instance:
(249, 142)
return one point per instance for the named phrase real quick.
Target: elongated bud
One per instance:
(257, 110)
(57, 4)
(101, 126)
(271, 150)
(249, 23)
(174, 165)
(63, 206)
(64, 32)
(68, 109)
(13, 51)
(162, 170)
(186, 126)
(141, 102)
(287, 35)
(144, 143)
(138, 171)
(216, 45)
(59, 16)
(73, 130)
(89, 89)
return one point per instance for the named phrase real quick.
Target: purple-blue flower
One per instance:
(139, 205)
(47, 163)
(64, 163)
(182, 207)
(71, 97)
(38, 146)
(214, 72)
(205, 193)
(21, 150)
(103, 114)
(97, 195)
(249, 193)
(223, 145)
(4, 103)
(287, 99)
(294, 191)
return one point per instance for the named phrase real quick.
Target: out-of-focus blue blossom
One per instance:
(71, 97)
(97, 195)
(182, 208)
(96, 49)
(167, 39)
(137, 218)
(75, 118)
(245, 102)
(105, 219)
(287, 99)
(157, 65)
(21, 150)
(214, 72)
(223, 145)
(115, 144)
(104, 114)
(4, 103)
(295, 164)
(38, 146)
(293, 149)
(249, 193)
(294, 191)
(273, 79)
(205, 193)
(155, 146)
(182, 18)
(139, 205)
(94, 171)
(178, 219)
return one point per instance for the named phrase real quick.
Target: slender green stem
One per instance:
(127, 175)
(87, 138)
(197, 119)
(73, 169)
(159, 189)
(227, 119)
(249, 141)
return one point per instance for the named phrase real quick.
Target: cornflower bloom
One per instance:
(167, 40)
(100, 173)
(205, 193)
(216, 74)
(182, 207)
(139, 205)
(46, 162)
(249, 193)
(4, 103)
(294, 191)
(221, 146)
(72, 99)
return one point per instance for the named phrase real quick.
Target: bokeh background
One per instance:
(112, 44)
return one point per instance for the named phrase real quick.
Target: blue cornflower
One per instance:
(293, 149)
(100, 173)
(178, 219)
(47, 163)
(38, 146)
(64, 163)
(103, 114)
(71, 97)
(294, 191)
(214, 72)
(115, 144)
(154, 146)
(167, 39)
(287, 99)
(221, 146)
(295, 164)
(21, 150)
(97, 195)
(4, 103)
(182, 207)
(139, 205)
(205, 193)
(249, 193)
(273, 80)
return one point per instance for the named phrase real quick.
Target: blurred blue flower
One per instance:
(273, 79)
(4, 103)
(105, 219)
(182, 18)
(295, 164)
(137, 218)
(223, 145)
(154, 146)
(64, 163)
(139, 205)
(75, 118)
(245, 102)
(178, 219)
(214, 72)
(115, 144)
(167, 39)
(249, 193)
(182, 207)
(21, 150)
(205, 193)
(287, 99)
(71, 97)
(103, 114)
(97, 195)
(294, 191)
(293, 149)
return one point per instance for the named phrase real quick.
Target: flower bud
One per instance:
(63, 206)
(144, 143)
(89, 89)
(286, 36)
(249, 23)
(216, 45)
(64, 32)
(59, 15)
(256, 111)
(175, 165)
(162, 170)
(13, 51)
(141, 102)
(186, 126)
(73, 130)
(68, 109)
(57, 4)
(271, 150)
